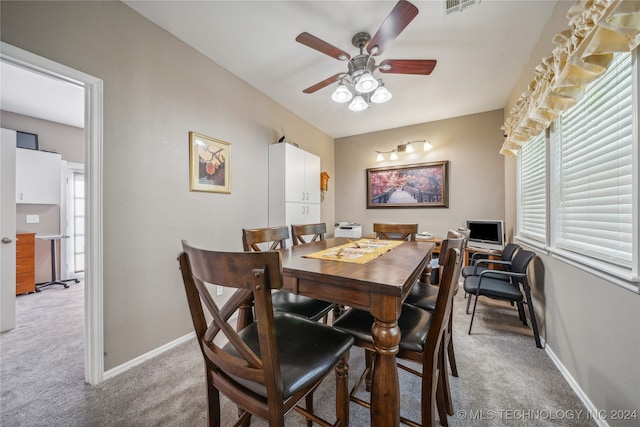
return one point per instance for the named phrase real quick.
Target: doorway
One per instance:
(93, 225)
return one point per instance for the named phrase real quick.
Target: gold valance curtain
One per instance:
(597, 29)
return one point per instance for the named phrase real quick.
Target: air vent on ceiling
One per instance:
(452, 6)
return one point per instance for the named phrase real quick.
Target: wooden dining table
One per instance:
(379, 287)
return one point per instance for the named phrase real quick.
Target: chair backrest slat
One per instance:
(253, 275)
(519, 264)
(449, 243)
(444, 302)
(276, 235)
(509, 251)
(316, 231)
(395, 231)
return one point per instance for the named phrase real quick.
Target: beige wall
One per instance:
(476, 177)
(592, 325)
(156, 90)
(63, 139)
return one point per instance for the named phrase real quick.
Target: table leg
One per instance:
(385, 392)
(54, 270)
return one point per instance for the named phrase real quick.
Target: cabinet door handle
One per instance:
(7, 240)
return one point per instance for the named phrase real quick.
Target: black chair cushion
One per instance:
(307, 350)
(299, 305)
(414, 326)
(493, 288)
(423, 295)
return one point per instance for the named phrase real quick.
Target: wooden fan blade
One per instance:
(323, 83)
(321, 46)
(401, 15)
(408, 66)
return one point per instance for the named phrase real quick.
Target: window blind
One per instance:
(533, 193)
(595, 169)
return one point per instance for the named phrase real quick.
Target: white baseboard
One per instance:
(591, 410)
(143, 358)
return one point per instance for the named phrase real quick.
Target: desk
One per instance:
(54, 262)
(379, 286)
(492, 254)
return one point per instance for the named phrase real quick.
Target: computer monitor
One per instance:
(486, 234)
(26, 140)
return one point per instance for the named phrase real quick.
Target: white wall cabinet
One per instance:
(294, 186)
(38, 177)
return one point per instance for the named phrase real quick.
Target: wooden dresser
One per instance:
(25, 263)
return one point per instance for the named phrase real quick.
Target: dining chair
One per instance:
(424, 295)
(275, 238)
(299, 231)
(390, 231)
(422, 341)
(515, 289)
(300, 234)
(268, 367)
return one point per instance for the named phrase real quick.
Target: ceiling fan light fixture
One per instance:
(342, 94)
(366, 83)
(358, 104)
(381, 95)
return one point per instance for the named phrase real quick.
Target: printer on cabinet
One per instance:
(348, 229)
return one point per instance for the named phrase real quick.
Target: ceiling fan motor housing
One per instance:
(359, 64)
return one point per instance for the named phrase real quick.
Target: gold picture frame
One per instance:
(209, 164)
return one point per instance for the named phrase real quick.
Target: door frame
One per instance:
(93, 122)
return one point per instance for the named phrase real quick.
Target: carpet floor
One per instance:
(504, 380)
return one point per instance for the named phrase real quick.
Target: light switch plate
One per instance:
(219, 290)
(33, 219)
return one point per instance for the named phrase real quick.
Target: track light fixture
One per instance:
(402, 148)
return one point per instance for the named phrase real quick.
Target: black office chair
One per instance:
(479, 262)
(274, 362)
(512, 285)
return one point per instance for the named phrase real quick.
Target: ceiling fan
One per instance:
(362, 66)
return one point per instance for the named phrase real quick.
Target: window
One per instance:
(532, 191)
(78, 222)
(595, 165)
(590, 215)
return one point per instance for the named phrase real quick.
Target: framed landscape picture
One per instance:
(209, 164)
(421, 185)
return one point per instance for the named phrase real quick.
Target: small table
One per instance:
(54, 262)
